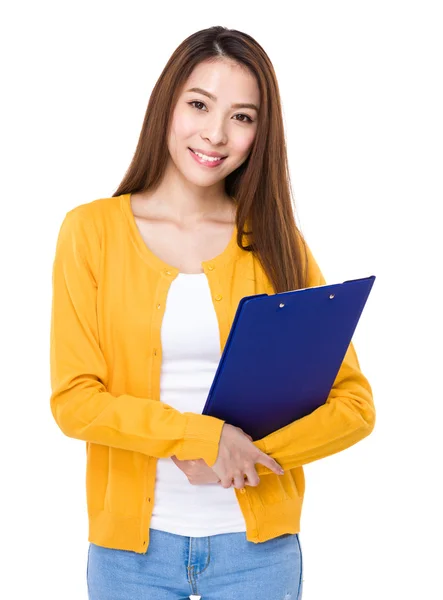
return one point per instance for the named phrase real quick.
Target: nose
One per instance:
(215, 132)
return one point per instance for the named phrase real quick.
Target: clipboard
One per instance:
(283, 354)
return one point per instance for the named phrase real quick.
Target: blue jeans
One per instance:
(217, 567)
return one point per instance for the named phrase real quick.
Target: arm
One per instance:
(347, 416)
(80, 403)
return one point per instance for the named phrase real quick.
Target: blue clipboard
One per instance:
(283, 354)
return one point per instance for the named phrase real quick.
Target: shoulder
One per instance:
(84, 226)
(96, 209)
(80, 236)
(93, 218)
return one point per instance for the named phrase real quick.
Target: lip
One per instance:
(206, 153)
(204, 163)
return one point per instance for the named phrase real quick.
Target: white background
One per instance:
(361, 86)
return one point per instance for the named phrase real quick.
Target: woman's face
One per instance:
(213, 124)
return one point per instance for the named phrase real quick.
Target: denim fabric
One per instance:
(217, 567)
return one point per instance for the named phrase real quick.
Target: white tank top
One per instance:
(190, 355)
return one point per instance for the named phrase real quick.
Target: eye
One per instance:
(195, 102)
(241, 115)
(237, 115)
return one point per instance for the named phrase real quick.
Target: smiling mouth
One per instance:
(211, 158)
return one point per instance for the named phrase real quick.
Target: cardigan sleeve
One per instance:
(347, 416)
(80, 403)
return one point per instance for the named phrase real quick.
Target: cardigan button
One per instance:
(218, 297)
(211, 267)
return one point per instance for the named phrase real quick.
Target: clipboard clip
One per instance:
(331, 297)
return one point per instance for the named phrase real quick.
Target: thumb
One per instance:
(246, 434)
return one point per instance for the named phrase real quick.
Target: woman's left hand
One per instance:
(197, 471)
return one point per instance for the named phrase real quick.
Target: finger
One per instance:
(252, 477)
(225, 484)
(269, 462)
(239, 482)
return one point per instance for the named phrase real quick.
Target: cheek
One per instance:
(243, 143)
(181, 130)
(183, 126)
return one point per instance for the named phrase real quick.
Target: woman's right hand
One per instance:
(236, 458)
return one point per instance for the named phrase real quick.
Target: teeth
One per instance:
(208, 158)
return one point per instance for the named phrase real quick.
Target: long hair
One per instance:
(261, 185)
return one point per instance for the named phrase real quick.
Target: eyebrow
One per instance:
(212, 97)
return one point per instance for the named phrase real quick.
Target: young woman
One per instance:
(145, 288)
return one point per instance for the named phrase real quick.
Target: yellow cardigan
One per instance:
(109, 294)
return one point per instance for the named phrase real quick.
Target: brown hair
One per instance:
(260, 186)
